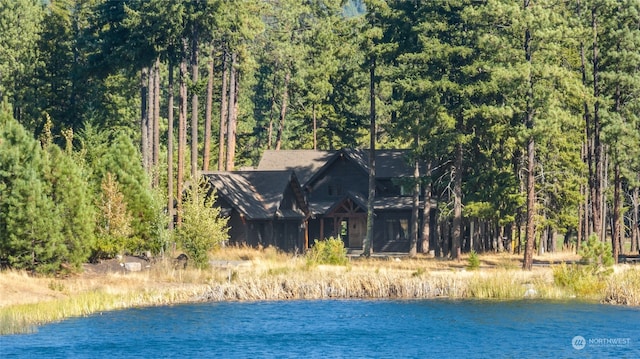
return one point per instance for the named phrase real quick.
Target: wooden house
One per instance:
(335, 186)
(265, 208)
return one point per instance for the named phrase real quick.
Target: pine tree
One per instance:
(618, 65)
(115, 153)
(71, 194)
(19, 33)
(30, 226)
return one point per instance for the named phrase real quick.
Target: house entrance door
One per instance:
(357, 231)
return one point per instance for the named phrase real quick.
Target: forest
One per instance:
(521, 114)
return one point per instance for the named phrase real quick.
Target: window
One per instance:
(406, 189)
(397, 229)
(335, 189)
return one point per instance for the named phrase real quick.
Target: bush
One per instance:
(474, 261)
(329, 251)
(596, 254)
(202, 228)
(582, 280)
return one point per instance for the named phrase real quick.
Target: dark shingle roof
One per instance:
(255, 194)
(307, 163)
(389, 163)
(304, 162)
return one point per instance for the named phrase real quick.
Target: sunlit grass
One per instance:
(623, 287)
(245, 274)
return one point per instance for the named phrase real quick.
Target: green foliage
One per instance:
(596, 254)
(474, 261)
(19, 32)
(448, 73)
(582, 280)
(329, 251)
(418, 273)
(73, 199)
(203, 229)
(30, 223)
(109, 152)
(114, 221)
(589, 278)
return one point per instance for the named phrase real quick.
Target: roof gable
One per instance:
(310, 164)
(257, 194)
(303, 162)
(389, 163)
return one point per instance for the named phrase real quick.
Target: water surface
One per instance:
(342, 329)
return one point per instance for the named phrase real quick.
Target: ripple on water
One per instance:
(340, 329)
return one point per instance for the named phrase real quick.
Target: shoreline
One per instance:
(38, 301)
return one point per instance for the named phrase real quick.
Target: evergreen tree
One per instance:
(115, 153)
(30, 224)
(20, 22)
(618, 65)
(73, 198)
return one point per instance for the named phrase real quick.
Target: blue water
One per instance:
(341, 329)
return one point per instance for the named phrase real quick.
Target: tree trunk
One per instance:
(531, 187)
(315, 127)
(596, 170)
(283, 110)
(616, 234)
(144, 117)
(635, 231)
(182, 133)
(509, 236)
(194, 106)
(206, 156)
(271, 111)
(415, 219)
(456, 236)
(368, 240)
(231, 121)
(531, 204)
(150, 115)
(587, 150)
(156, 124)
(426, 210)
(223, 112)
(542, 243)
(170, 191)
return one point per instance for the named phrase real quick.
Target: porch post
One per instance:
(305, 226)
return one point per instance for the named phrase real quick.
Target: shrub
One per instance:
(589, 278)
(329, 251)
(202, 228)
(114, 221)
(596, 254)
(474, 261)
(582, 280)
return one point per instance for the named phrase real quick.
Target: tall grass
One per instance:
(268, 274)
(513, 284)
(581, 280)
(623, 287)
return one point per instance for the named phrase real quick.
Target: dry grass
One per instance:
(623, 287)
(266, 274)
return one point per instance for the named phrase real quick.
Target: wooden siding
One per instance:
(340, 178)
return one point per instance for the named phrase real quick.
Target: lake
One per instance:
(342, 329)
